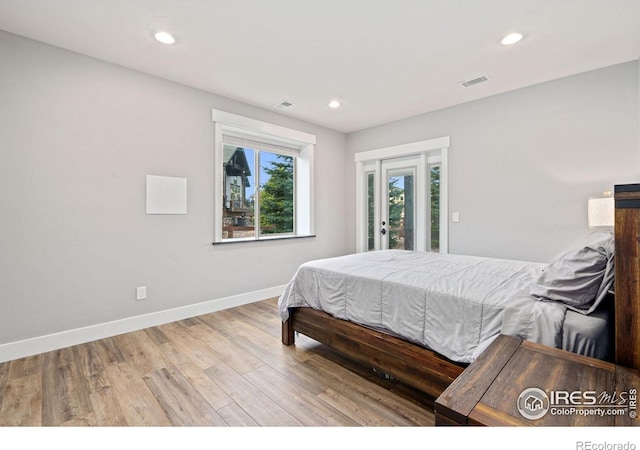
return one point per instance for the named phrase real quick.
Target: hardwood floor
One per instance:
(227, 368)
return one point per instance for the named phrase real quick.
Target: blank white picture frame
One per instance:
(166, 195)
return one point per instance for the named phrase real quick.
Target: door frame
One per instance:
(428, 151)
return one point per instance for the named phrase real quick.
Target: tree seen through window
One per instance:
(276, 193)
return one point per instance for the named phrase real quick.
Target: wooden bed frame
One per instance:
(431, 373)
(410, 363)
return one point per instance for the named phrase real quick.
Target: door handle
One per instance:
(383, 231)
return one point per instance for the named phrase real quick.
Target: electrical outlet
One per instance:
(141, 293)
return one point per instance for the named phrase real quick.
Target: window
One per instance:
(371, 220)
(434, 204)
(263, 187)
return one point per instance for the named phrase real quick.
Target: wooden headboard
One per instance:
(627, 277)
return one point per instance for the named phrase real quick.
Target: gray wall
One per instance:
(77, 137)
(523, 163)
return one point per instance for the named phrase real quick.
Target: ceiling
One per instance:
(384, 60)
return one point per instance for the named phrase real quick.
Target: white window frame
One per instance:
(432, 151)
(302, 147)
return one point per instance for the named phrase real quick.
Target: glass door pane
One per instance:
(371, 227)
(434, 201)
(401, 214)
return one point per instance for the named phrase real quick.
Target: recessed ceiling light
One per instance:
(164, 37)
(511, 39)
(334, 104)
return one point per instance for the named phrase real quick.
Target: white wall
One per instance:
(78, 136)
(522, 164)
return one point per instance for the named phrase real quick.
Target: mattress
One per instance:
(453, 304)
(589, 335)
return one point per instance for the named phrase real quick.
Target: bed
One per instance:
(453, 306)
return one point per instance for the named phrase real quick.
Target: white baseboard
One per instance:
(42, 344)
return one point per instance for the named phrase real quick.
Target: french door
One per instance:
(401, 202)
(397, 205)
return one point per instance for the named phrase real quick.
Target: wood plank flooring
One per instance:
(227, 368)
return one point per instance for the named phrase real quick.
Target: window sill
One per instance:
(263, 239)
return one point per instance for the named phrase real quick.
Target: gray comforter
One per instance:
(454, 305)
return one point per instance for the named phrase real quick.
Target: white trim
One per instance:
(421, 205)
(413, 148)
(361, 209)
(218, 182)
(444, 200)
(304, 191)
(41, 344)
(257, 128)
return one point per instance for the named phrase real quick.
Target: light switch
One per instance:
(455, 217)
(141, 293)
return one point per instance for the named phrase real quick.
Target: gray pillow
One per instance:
(579, 278)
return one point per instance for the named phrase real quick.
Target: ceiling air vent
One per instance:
(478, 80)
(282, 105)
